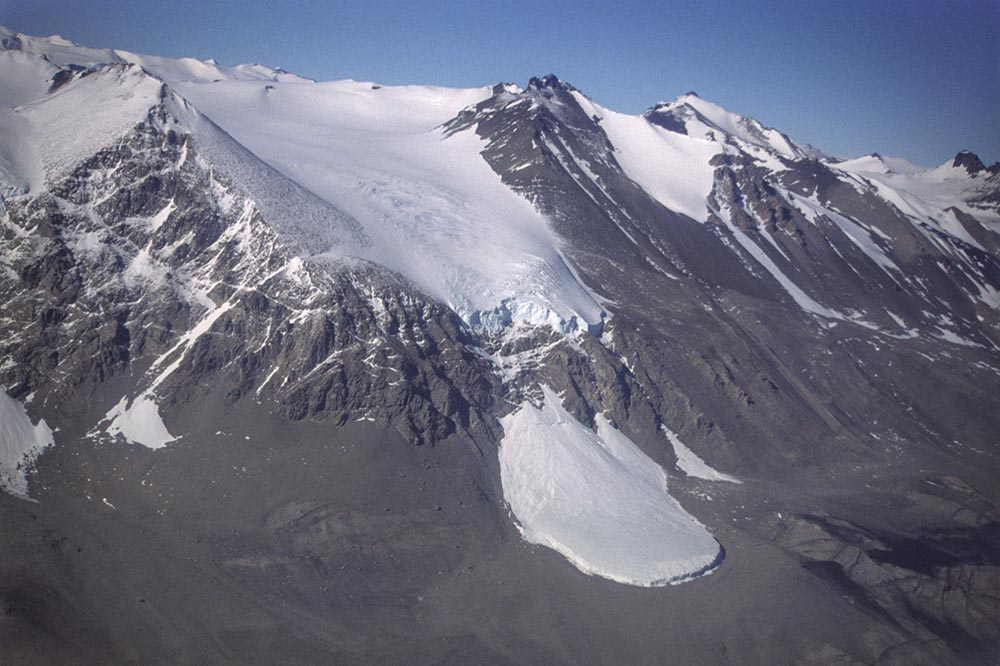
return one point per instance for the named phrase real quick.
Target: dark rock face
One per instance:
(661, 117)
(11, 43)
(744, 189)
(297, 518)
(970, 161)
(62, 77)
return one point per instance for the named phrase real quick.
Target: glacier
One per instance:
(20, 443)
(598, 500)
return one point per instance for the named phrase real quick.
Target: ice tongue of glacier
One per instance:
(597, 499)
(20, 443)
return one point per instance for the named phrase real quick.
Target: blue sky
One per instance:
(913, 78)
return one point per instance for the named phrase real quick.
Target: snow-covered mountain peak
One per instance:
(548, 92)
(690, 114)
(56, 49)
(552, 93)
(115, 97)
(191, 70)
(415, 201)
(433, 210)
(876, 163)
(691, 105)
(59, 40)
(122, 100)
(664, 105)
(694, 99)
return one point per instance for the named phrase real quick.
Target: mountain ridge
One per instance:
(190, 66)
(333, 347)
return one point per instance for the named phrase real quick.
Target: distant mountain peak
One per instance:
(550, 82)
(690, 114)
(970, 161)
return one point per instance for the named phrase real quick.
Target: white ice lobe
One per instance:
(672, 168)
(21, 442)
(598, 500)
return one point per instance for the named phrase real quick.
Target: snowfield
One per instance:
(373, 176)
(925, 195)
(430, 207)
(598, 500)
(672, 168)
(705, 119)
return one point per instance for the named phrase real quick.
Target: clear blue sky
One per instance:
(914, 78)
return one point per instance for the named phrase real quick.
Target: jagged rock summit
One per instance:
(971, 162)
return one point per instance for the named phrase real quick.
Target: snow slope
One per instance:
(672, 168)
(113, 102)
(139, 422)
(597, 499)
(61, 52)
(20, 444)
(876, 163)
(374, 177)
(25, 78)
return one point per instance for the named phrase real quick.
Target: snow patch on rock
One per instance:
(691, 463)
(139, 422)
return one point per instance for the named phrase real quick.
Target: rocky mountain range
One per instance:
(333, 372)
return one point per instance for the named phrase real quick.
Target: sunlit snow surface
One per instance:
(703, 119)
(598, 500)
(20, 443)
(672, 168)
(430, 207)
(925, 195)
